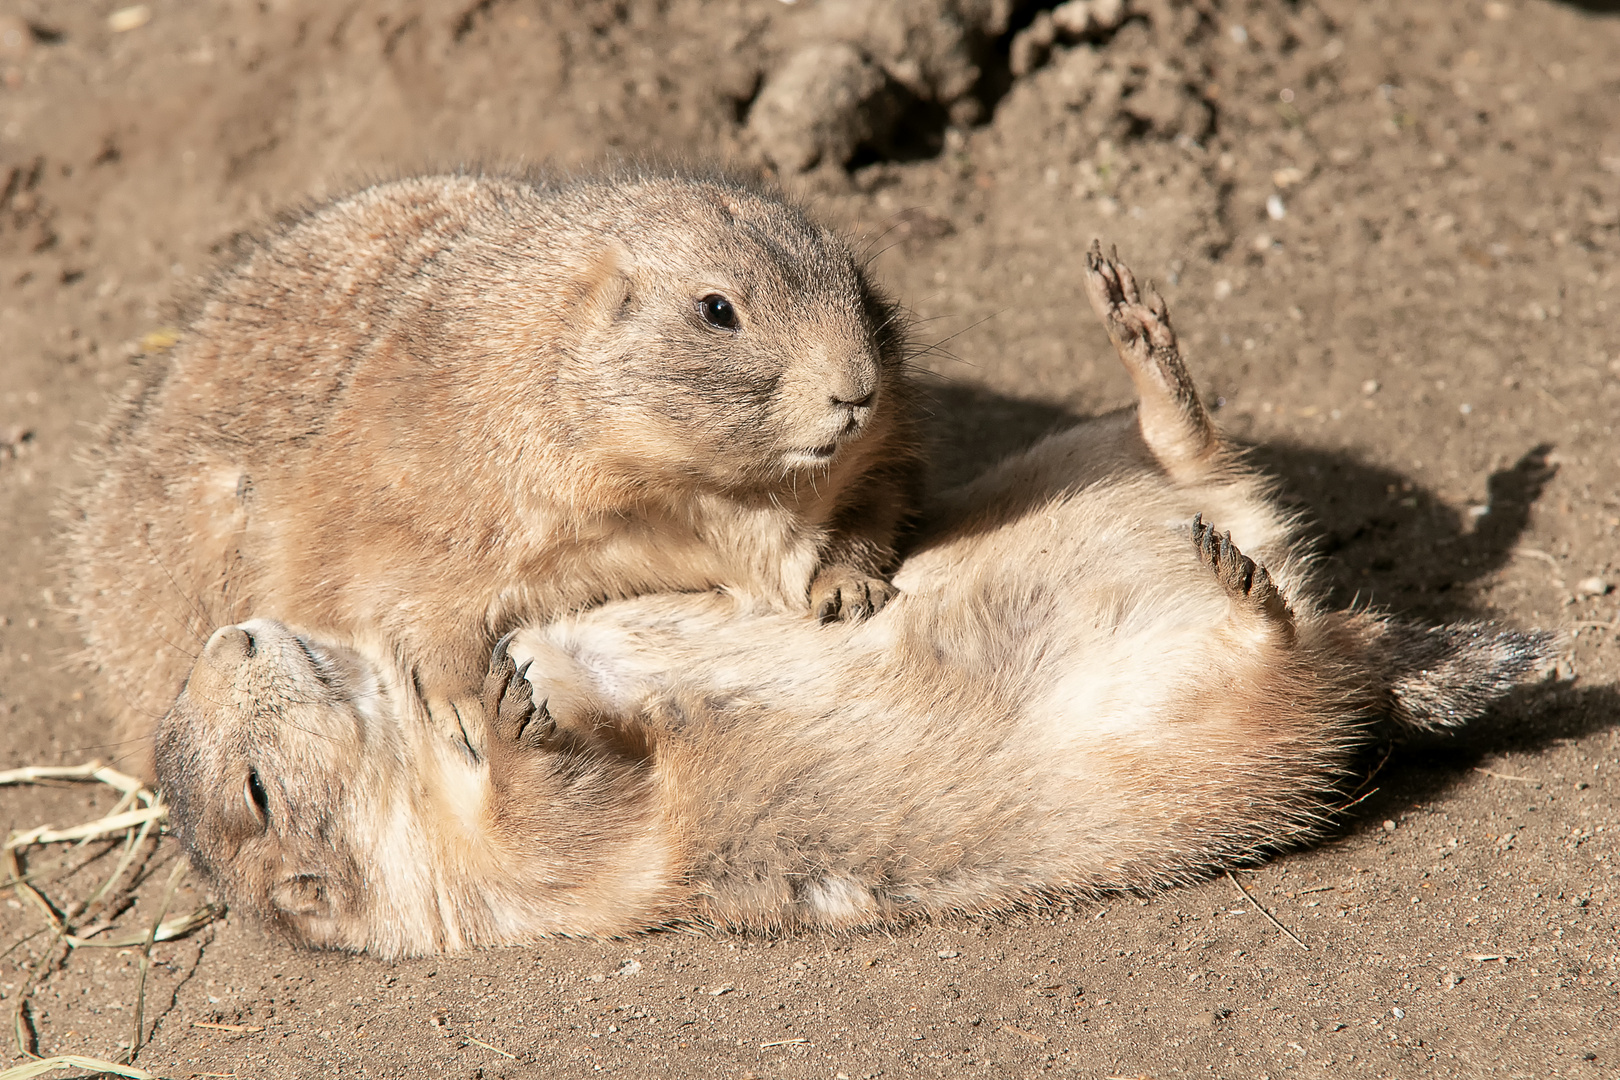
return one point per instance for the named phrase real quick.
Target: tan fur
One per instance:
(1074, 692)
(422, 414)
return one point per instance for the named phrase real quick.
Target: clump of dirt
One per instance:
(852, 75)
(850, 81)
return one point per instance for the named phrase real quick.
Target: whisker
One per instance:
(899, 218)
(866, 256)
(971, 326)
(196, 605)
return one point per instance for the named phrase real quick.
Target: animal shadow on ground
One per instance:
(1595, 7)
(1381, 538)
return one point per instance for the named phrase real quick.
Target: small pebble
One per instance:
(1275, 210)
(1287, 176)
(1465, 409)
(1223, 289)
(1399, 1014)
(1592, 586)
(15, 37)
(947, 954)
(1370, 387)
(1389, 826)
(130, 18)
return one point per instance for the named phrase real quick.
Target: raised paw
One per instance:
(844, 594)
(1140, 328)
(508, 701)
(1173, 420)
(1245, 580)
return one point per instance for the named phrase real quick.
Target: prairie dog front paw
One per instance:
(845, 594)
(508, 702)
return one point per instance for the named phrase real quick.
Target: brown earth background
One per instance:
(1422, 325)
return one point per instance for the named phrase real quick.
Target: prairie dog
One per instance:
(1081, 687)
(440, 407)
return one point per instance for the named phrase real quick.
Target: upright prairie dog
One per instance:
(441, 407)
(1073, 692)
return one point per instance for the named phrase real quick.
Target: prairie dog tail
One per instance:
(1172, 418)
(1440, 677)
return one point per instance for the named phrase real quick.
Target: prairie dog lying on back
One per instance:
(438, 408)
(1073, 692)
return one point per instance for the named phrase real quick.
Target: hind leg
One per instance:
(1248, 584)
(1173, 421)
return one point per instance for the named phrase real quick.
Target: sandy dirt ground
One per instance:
(1389, 232)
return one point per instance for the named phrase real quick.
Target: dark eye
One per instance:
(718, 312)
(253, 794)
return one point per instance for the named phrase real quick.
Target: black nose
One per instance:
(856, 403)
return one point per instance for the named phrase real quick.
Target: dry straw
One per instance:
(137, 816)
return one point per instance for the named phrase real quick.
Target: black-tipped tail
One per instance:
(1441, 677)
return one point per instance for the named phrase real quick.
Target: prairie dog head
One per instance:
(730, 340)
(285, 774)
(309, 790)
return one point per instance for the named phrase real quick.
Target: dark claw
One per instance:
(859, 606)
(850, 596)
(509, 701)
(498, 656)
(508, 698)
(538, 727)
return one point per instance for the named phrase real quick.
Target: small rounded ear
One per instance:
(303, 894)
(604, 287)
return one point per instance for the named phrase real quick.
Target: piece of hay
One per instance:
(136, 823)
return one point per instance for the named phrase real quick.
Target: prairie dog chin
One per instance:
(1083, 686)
(437, 408)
